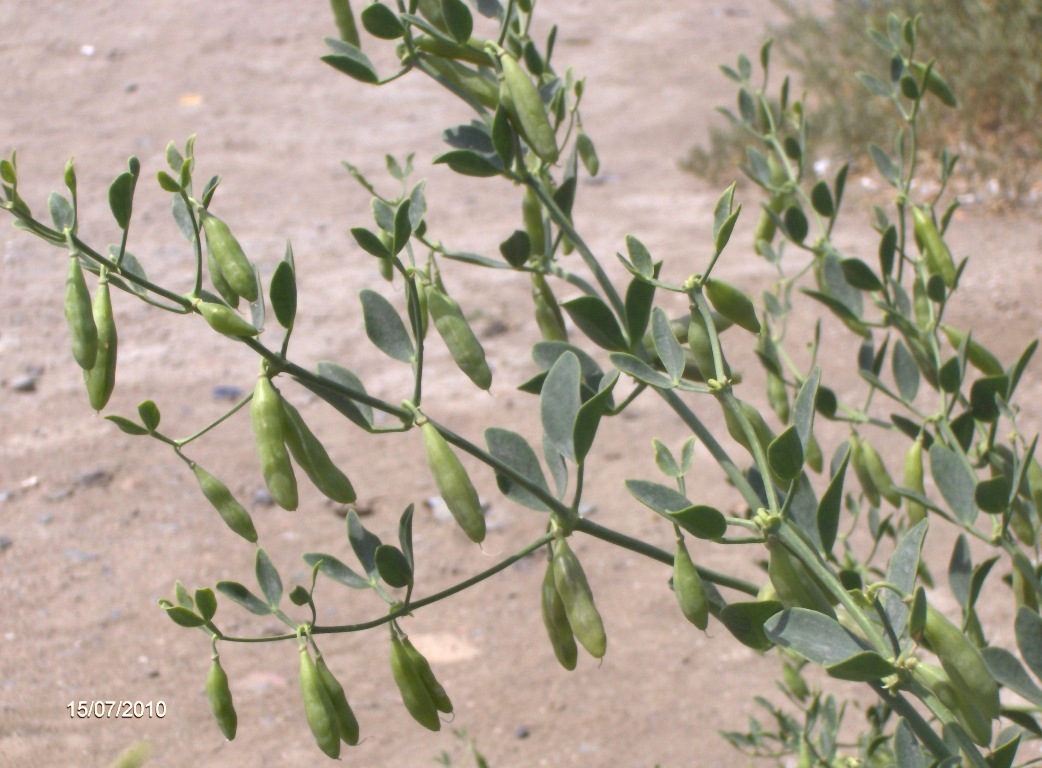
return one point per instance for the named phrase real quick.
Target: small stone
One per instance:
(522, 732)
(262, 497)
(5, 542)
(226, 392)
(26, 383)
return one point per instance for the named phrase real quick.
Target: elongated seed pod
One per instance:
(701, 347)
(778, 396)
(913, 480)
(577, 598)
(318, 709)
(224, 319)
(454, 484)
(525, 107)
(864, 477)
(231, 511)
(347, 723)
(266, 417)
(101, 378)
(878, 472)
(688, 587)
(311, 456)
(220, 283)
(472, 51)
(219, 695)
(80, 317)
(441, 700)
(562, 639)
(547, 311)
(936, 255)
(456, 332)
(479, 86)
(415, 696)
(794, 585)
(535, 228)
(940, 685)
(732, 303)
(234, 266)
(963, 663)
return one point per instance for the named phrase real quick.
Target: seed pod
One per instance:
(879, 474)
(101, 378)
(441, 700)
(80, 317)
(231, 511)
(415, 696)
(577, 598)
(463, 345)
(347, 723)
(913, 480)
(266, 417)
(532, 214)
(864, 477)
(689, 589)
(523, 103)
(454, 484)
(312, 457)
(224, 319)
(477, 85)
(547, 311)
(940, 685)
(778, 396)
(937, 257)
(220, 696)
(231, 259)
(220, 283)
(963, 663)
(562, 640)
(472, 51)
(794, 585)
(318, 709)
(732, 303)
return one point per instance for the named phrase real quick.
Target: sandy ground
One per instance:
(96, 526)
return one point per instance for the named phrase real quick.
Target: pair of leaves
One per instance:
(569, 423)
(379, 561)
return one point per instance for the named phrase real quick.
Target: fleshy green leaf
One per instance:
(385, 328)
(666, 345)
(363, 542)
(268, 579)
(594, 318)
(513, 450)
(392, 566)
(831, 506)
(351, 61)
(336, 570)
(237, 593)
(121, 198)
(954, 481)
(559, 403)
(283, 294)
(785, 454)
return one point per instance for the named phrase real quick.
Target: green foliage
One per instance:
(847, 591)
(989, 52)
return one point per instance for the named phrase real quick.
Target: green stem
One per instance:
(643, 548)
(178, 444)
(915, 721)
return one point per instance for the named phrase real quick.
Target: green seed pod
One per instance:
(532, 214)
(101, 378)
(454, 484)
(318, 709)
(562, 640)
(978, 355)
(220, 283)
(311, 456)
(794, 585)
(864, 477)
(220, 697)
(441, 700)
(935, 252)
(477, 85)
(940, 685)
(732, 303)
(231, 259)
(456, 332)
(547, 311)
(879, 474)
(963, 663)
(80, 317)
(472, 51)
(577, 598)
(764, 434)
(231, 511)
(688, 587)
(913, 480)
(266, 417)
(794, 681)
(347, 723)
(778, 396)
(224, 319)
(415, 696)
(523, 103)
